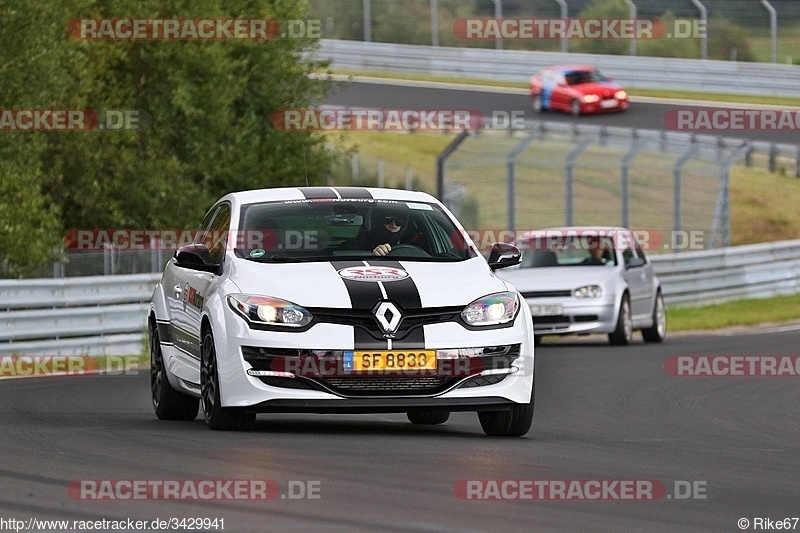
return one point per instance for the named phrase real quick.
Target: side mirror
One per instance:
(635, 262)
(504, 255)
(195, 257)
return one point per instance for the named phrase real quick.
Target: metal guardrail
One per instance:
(729, 77)
(95, 315)
(107, 315)
(715, 276)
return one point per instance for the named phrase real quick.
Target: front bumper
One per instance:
(577, 316)
(276, 394)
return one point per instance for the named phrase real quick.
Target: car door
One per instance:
(175, 283)
(636, 279)
(195, 284)
(561, 94)
(650, 282)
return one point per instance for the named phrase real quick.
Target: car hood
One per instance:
(557, 278)
(321, 284)
(600, 88)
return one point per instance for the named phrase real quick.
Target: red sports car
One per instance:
(576, 89)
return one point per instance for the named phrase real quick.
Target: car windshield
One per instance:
(584, 76)
(568, 251)
(348, 229)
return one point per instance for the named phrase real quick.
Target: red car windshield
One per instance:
(584, 76)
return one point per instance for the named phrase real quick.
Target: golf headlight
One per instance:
(588, 291)
(620, 95)
(591, 98)
(268, 310)
(491, 310)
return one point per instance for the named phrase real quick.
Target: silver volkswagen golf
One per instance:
(582, 280)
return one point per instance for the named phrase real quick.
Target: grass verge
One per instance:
(736, 313)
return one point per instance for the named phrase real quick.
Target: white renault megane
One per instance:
(339, 300)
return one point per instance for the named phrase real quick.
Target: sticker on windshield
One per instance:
(424, 207)
(258, 252)
(373, 273)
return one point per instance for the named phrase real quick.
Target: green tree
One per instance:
(724, 36)
(603, 9)
(208, 106)
(669, 47)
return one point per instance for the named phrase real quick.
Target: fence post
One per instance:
(797, 163)
(409, 178)
(380, 173)
(773, 157)
(636, 147)
(676, 185)
(498, 14)
(367, 21)
(632, 14)
(773, 29)
(511, 178)
(58, 264)
(441, 158)
(722, 212)
(108, 259)
(354, 168)
(704, 37)
(564, 41)
(570, 179)
(434, 22)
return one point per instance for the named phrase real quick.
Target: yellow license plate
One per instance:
(395, 360)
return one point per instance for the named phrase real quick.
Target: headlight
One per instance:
(588, 291)
(591, 98)
(620, 95)
(491, 310)
(268, 310)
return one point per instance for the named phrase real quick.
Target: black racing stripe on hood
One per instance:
(403, 292)
(353, 192)
(315, 193)
(363, 295)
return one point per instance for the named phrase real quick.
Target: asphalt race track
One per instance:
(639, 115)
(601, 413)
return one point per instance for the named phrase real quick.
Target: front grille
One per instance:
(585, 318)
(387, 385)
(482, 381)
(364, 319)
(546, 294)
(322, 370)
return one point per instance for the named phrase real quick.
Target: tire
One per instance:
(218, 417)
(513, 423)
(168, 403)
(428, 418)
(658, 330)
(575, 108)
(537, 104)
(623, 334)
